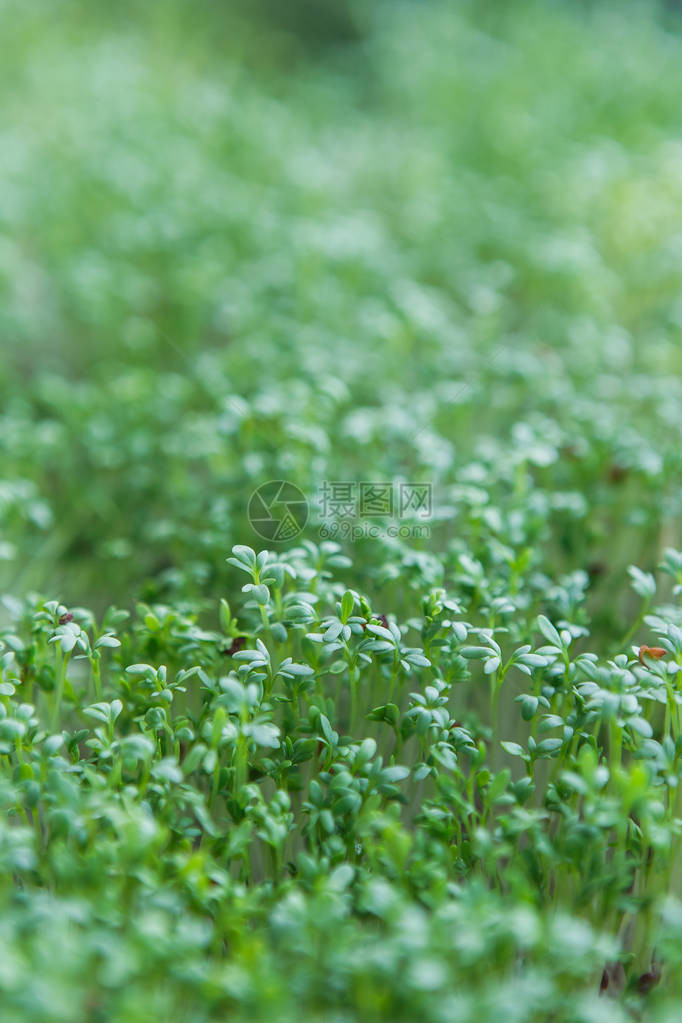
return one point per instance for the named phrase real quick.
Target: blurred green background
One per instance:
(343, 241)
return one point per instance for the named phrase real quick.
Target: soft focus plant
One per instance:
(434, 777)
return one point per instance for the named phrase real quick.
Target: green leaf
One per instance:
(643, 583)
(245, 554)
(548, 631)
(379, 630)
(327, 730)
(475, 653)
(140, 669)
(529, 705)
(498, 785)
(107, 641)
(389, 713)
(347, 605)
(548, 747)
(513, 749)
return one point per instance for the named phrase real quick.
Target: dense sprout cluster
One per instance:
(429, 777)
(316, 810)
